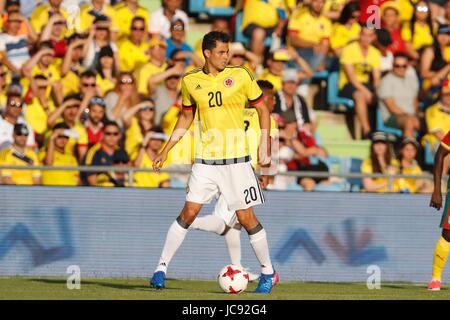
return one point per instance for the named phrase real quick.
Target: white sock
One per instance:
(233, 240)
(261, 249)
(174, 239)
(209, 223)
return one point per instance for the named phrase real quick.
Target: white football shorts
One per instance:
(236, 183)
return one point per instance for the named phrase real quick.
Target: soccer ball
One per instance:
(233, 279)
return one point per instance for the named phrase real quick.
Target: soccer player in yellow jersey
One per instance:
(219, 93)
(443, 244)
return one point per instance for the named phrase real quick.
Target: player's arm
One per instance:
(264, 123)
(183, 123)
(436, 197)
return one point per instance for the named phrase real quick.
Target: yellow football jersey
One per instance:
(253, 132)
(219, 102)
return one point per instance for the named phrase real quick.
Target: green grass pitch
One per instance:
(122, 288)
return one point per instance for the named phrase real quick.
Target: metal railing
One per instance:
(299, 174)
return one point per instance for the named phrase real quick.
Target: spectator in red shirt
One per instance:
(94, 123)
(54, 32)
(390, 19)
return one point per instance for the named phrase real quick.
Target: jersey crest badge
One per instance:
(228, 82)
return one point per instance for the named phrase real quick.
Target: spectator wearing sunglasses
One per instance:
(101, 154)
(133, 49)
(122, 98)
(125, 12)
(138, 120)
(55, 154)
(42, 14)
(12, 116)
(418, 33)
(19, 155)
(399, 97)
(72, 66)
(161, 18)
(177, 40)
(115, 178)
(25, 27)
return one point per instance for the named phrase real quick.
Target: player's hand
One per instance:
(264, 181)
(436, 200)
(159, 161)
(264, 155)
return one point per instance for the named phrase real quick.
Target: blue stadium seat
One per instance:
(198, 6)
(333, 90)
(321, 75)
(239, 36)
(382, 127)
(352, 165)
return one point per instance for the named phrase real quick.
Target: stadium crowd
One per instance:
(102, 86)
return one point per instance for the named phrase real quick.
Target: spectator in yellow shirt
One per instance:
(19, 155)
(133, 50)
(41, 15)
(381, 161)
(260, 18)
(347, 28)
(409, 166)
(72, 66)
(125, 12)
(309, 32)
(418, 32)
(437, 118)
(56, 155)
(96, 8)
(155, 65)
(359, 78)
(106, 71)
(151, 145)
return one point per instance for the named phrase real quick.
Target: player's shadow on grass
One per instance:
(103, 284)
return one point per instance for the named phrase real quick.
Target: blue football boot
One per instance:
(266, 282)
(158, 280)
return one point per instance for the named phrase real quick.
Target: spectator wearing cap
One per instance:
(55, 154)
(115, 178)
(72, 67)
(106, 70)
(160, 19)
(69, 112)
(390, 20)
(12, 116)
(157, 64)
(25, 28)
(54, 31)
(435, 63)
(43, 63)
(122, 98)
(177, 42)
(150, 147)
(309, 32)
(14, 46)
(95, 120)
(437, 118)
(100, 35)
(276, 64)
(125, 12)
(42, 14)
(19, 155)
(133, 50)
(381, 161)
(239, 56)
(101, 153)
(89, 11)
(359, 77)
(260, 19)
(399, 97)
(289, 105)
(409, 166)
(138, 120)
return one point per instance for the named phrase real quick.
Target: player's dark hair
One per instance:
(265, 85)
(210, 40)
